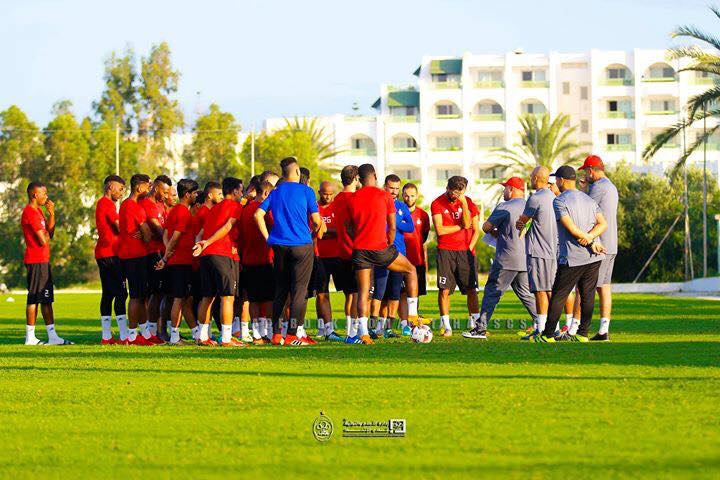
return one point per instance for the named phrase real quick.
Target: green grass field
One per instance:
(644, 405)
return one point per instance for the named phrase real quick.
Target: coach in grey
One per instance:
(540, 243)
(509, 268)
(580, 223)
(605, 195)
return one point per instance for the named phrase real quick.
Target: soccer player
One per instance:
(371, 220)
(179, 241)
(580, 223)
(211, 196)
(291, 203)
(38, 231)
(387, 284)
(345, 279)
(154, 205)
(328, 256)
(134, 258)
(416, 249)
(540, 243)
(605, 194)
(218, 270)
(455, 218)
(257, 262)
(106, 256)
(269, 176)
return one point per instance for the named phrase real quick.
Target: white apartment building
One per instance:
(461, 108)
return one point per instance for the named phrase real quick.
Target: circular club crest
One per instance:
(322, 428)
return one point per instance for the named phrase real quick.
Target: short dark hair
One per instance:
(456, 182)
(304, 175)
(186, 185)
(201, 197)
(254, 183)
(408, 186)
(285, 165)
(365, 171)
(137, 179)
(266, 174)
(33, 185)
(211, 186)
(265, 186)
(230, 184)
(348, 174)
(113, 178)
(392, 178)
(163, 179)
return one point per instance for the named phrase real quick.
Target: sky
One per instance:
(270, 58)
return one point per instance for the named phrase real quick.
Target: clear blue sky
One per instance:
(261, 59)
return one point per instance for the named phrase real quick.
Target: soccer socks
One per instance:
(244, 329)
(284, 328)
(568, 320)
(236, 325)
(329, 328)
(321, 326)
(204, 332)
(256, 329)
(30, 338)
(380, 326)
(174, 334)
(350, 326)
(226, 333)
(52, 335)
(152, 328)
(574, 326)
(122, 323)
(132, 334)
(604, 326)
(168, 325)
(412, 303)
(195, 332)
(145, 330)
(363, 327)
(265, 327)
(106, 324)
(541, 320)
(445, 321)
(474, 317)
(403, 324)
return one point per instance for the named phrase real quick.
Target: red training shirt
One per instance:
(180, 220)
(330, 247)
(132, 215)
(340, 208)
(415, 240)
(214, 220)
(255, 250)
(157, 211)
(452, 215)
(32, 221)
(369, 209)
(108, 239)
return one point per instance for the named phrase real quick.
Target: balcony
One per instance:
(613, 115)
(447, 116)
(360, 118)
(660, 112)
(447, 149)
(402, 118)
(490, 84)
(534, 84)
(445, 85)
(659, 79)
(704, 81)
(401, 88)
(404, 149)
(620, 147)
(616, 82)
(488, 117)
(363, 152)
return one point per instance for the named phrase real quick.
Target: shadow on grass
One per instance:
(672, 353)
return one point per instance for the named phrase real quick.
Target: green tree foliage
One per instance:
(213, 152)
(118, 104)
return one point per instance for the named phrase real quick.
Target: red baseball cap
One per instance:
(593, 161)
(515, 182)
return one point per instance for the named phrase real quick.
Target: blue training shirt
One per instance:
(290, 203)
(403, 224)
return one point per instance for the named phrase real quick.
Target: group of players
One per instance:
(250, 257)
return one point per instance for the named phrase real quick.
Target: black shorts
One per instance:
(364, 259)
(39, 284)
(218, 276)
(111, 276)
(422, 281)
(135, 271)
(318, 278)
(156, 278)
(456, 268)
(239, 278)
(195, 284)
(259, 281)
(344, 277)
(179, 280)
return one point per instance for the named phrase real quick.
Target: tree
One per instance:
(213, 153)
(118, 103)
(542, 143)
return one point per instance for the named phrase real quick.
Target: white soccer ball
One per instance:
(422, 334)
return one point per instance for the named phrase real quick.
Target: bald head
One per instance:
(326, 192)
(539, 177)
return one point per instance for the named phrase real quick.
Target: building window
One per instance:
(491, 173)
(584, 126)
(489, 76)
(406, 174)
(446, 110)
(445, 78)
(485, 142)
(404, 144)
(617, 72)
(444, 174)
(489, 108)
(533, 108)
(403, 111)
(583, 93)
(566, 88)
(618, 139)
(662, 105)
(533, 75)
(447, 143)
(661, 72)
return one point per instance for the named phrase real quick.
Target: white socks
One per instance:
(568, 319)
(541, 320)
(30, 338)
(152, 328)
(301, 332)
(265, 327)
(329, 328)
(226, 333)
(284, 328)
(204, 332)
(145, 330)
(380, 326)
(321, 326)
(174, 334)
(574, 326)
(604, 326)
(472, 320)
(236, 325)
(195, 332)
(350, 326)
(132, 334)
(122, 323)
(244, 329)
(106, 324)
(363, 327)
(403, 323)
(52, 335)
(445, 322)
(256, 329)
(412, 303)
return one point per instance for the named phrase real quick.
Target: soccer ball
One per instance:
(422, 334)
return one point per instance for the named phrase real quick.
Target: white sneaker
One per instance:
(247, 338)
(59, 341)
(34, 341)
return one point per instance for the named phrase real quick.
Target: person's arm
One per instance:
(115, 225)
(466, 219)
(155, 228)
(259, 217)
(406, 224)
(487, 227)
(497, 219)
(392, 228)
(221, 232)
(319, 227)
(50, 207)
(145, 232)
(425, 229)
(172, 243)
(43, 236)
(476, 232)
(441, 229)
(599, 228)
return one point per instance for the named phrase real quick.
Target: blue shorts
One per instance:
(387, 285)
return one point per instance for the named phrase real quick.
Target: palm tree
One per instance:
(542, 143)
(320, 138)
(699, 107)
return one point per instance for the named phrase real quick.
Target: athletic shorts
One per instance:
(239, 278)
(344, 277)
(541, 273)
(218, 276)
(259, 282)
(387, 285)
(456, 268)
(135, 271)
(364, 259)
(111, 276)
(421, 280)
(606, 269)
(180, 280)
(39, 284)
(156, 278)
